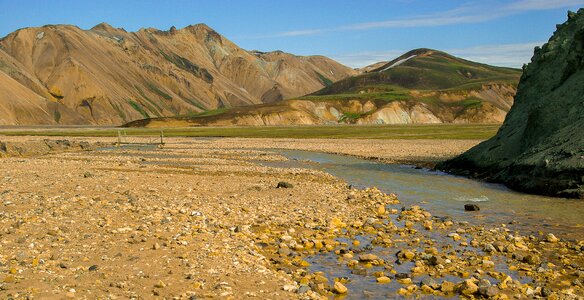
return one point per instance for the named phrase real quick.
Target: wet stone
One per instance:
(471, 207)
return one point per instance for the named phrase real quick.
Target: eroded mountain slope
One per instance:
(109, 76)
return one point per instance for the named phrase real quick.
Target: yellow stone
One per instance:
(336, 223)
(352, 263)
(35, 262)
(13, 270)
(356, 243)
(381, 210)
(427, 290)
(383, 279)
(318, 245)
(340, 288)
(409, 255)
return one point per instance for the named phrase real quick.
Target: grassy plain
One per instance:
(440, 131)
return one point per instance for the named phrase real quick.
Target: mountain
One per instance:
(540, 147)
(421, 86)
(60, 74)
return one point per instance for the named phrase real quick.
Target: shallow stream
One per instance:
(444, 195)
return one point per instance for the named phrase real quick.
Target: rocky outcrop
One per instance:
(61, 74)
(363, 112)
(540, 147)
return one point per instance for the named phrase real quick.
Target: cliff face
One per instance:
(540, 147)
(60, 74)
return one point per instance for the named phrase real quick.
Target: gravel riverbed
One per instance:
(202, 218)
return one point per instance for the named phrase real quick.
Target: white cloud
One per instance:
(465, 14)
(506, 55)
(524, 5)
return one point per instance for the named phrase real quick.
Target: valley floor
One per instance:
(202, 217)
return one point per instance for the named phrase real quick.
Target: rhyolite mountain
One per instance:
(61, 74)
(540, 147)
(421, 86)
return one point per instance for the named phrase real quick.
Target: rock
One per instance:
(428, 225)
(409, 255)
(489, 292)
(289, 288)
(383, 279)
(489, 248)
(551, 238)
(435, 260)
(447, 287)
(93, 268)
(531, 259)
(284, 185)
(303, 289)
(381, 210)
(539, 146)
(468, 287)
(156, 246)
(471, 207)
(160, 284)
(339, 288)
(336, 223)
(402, 275)
(368, 257)
(429, 281)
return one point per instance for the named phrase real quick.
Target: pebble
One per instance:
(471, 207)
(340, 288)
(551, 238)
(284, 185)
(468, 287)
(160, 284)
(368, 257)
(383, 279)
(290, 288)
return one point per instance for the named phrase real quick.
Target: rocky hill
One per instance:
(60, 74)
(540, 147)
(421, 86)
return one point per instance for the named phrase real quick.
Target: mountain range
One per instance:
(60, 74)
(421, 86)
(63, 75)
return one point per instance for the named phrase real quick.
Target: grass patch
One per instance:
(57, 116)
(429, 131)
(324, 80)
(401, 95)
(195, 103)
(158, 110)
(160, 93)
(139, 109)
(349, 117)
(209, 113)
(120, 112)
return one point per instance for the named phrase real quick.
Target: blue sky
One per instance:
(353, 32)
